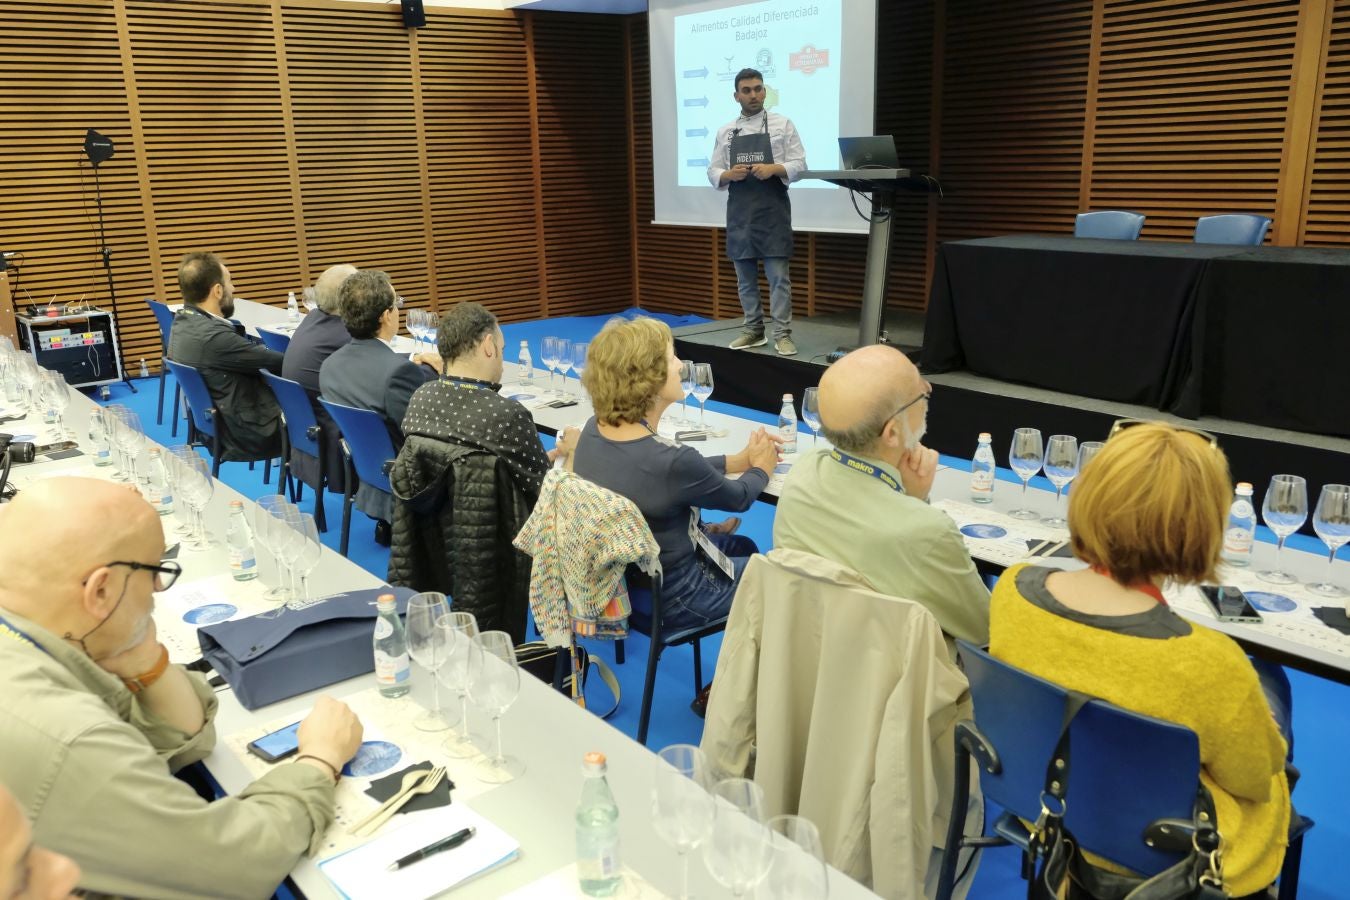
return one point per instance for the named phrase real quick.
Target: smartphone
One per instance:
(278, 745)
(1230, 604)
(67, 453)
(686, 436)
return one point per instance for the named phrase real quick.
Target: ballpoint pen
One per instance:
(449, 843)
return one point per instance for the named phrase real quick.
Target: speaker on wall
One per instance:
(414, 16)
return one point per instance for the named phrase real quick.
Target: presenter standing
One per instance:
(755, 158)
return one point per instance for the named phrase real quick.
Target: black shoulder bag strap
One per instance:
(1050, 844)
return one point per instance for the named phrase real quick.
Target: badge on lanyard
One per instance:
(711, 550)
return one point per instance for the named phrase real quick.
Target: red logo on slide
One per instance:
(808, 59)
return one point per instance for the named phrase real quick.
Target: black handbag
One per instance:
(552, 665)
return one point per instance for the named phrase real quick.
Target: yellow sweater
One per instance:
(1201, 680)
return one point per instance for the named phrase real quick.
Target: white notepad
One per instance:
(364, 872)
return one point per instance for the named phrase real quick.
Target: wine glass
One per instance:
(703, 388)
(579, 359)
(1061, 466)
(1331, 521)
(431, 323)
(811, 412)
(415, 329)
(99, 425)
(564, 363)
(463, 660)
(309, 553)
(1026, 457)
(427, 644)
(267, 515)
(797, 871)
(738, 853)
(549, 357)
(687, 386)
(1284, 511)
(1086, 451)
(682, 808)
(197, 485)
(56, 397)
(130, 435)
(493, 691)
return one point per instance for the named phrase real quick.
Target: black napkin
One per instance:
(384, 788)
(1335, 617)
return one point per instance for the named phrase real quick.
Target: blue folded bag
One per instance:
(285, 652)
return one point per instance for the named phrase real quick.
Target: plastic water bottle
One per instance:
(598, 865)
(1241, 531)
(526, 364)
(145, 370)
(982, 471)
(292, 308)
(158, 492)
(787, 425)
(239, 539)
(392, 669)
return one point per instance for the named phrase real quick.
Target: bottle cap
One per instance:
(524, 343)
(787, 398)
(236, 504)
(385, 601)
(594, 758)
(986, 436)
(1244, 487)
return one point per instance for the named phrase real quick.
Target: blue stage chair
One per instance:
(203, 417)
(300, 431)
(367, 449)
(164, 318)
(1243, 229)
(1111, 224)
(274, 340)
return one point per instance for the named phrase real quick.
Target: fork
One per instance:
(409, 781)
(426, 786)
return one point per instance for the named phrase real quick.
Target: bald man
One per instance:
(93, 719)
(864, 505)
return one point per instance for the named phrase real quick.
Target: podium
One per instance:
(883, 185)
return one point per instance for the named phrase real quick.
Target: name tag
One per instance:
(709, 549)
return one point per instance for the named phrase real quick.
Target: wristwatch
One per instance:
(145, 679)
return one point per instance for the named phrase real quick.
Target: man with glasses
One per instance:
(863, 503)
(94, 718)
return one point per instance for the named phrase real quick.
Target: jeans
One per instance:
(699, 592)
(780, 294)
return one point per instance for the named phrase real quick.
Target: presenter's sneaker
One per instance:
(784, 346)
(749, 339)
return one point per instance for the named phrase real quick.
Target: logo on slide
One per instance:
(808, 60)
(764, 62)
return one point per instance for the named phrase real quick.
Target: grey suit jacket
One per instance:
(318, 337)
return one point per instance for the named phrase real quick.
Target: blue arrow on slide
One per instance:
(698, 101)
(696, 132)
(697, 163)
(696, 73)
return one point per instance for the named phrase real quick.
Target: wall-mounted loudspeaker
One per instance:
(414, 16)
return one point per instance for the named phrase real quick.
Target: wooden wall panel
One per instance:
(1327, 219)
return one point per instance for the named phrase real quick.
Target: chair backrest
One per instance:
(274, 340)
(1126, 770)
(164, 318)
(296, 410)
(1243, 229)
(367, 438)
(1111, 224)
(200, 405)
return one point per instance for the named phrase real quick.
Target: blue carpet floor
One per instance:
(1322, 716)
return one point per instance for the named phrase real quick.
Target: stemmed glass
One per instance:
(463, 660)
(811, 412)
(129, 435)
(431, 324)
(1061, 466)
(427, 645)
(687, 386)
(682, 808)
(564, 363)
(56, 397)
(1331, 521)
(288, 538)
(703, 388)
(416, 329)
(493, 691)
(268, 515)
(1284, 511)
(99, 437)
(549, 357)
(798, 869)
(196, 486)
(1086, 451)
(579, 360)
(738, 854)
(1026, 457)
(309, 553)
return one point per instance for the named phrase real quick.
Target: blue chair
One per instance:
(1243, 229)
(1133, 784)
(300, 431)
(274, 340)
(164, 318)
(367, 450)
(1110, 224)
(204, 420)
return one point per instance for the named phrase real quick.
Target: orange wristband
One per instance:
(144, 680)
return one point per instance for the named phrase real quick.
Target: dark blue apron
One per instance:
(759, 214)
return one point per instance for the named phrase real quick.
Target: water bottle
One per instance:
(239, 539)
(982, 471)
(787, 426)
(526, 364)
(1241, 531)
(392, 669)
(598, 866)
(158, 491)
(292, 309)
(145, 370)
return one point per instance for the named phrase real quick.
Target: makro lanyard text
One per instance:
(465, 385)
(866, 468)
(9, 631)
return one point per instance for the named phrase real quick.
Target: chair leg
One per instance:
(159, 415)
(215, 457)
(645, 716)
(297, 490)
(346, 513)
(619, 654)
(1293, 859)
(177, 409)
(955, 826)
(267, 471)
(698, 668)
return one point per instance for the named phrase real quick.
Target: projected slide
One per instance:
(795, 44)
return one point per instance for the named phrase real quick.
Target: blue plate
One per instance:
(24, 437)
(373, 758)
(210, 614)
(1267, 602)
(782, 468)
(987, 532)
(521, 397)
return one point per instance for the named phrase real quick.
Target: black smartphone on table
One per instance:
(278, 745)
(1230, 604)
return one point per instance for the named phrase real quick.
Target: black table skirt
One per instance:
(1096, 318)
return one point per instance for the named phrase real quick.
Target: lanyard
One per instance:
(10, 631)
(1143, 587)
(463, 384)
(866, 468)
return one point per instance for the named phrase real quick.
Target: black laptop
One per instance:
(875, 151)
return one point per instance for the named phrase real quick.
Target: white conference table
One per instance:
(548, 732)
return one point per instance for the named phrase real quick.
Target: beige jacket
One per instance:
(849, 700)
(92, 770)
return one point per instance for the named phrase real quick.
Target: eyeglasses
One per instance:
(165, 574)
(925, 397)
(1126, 424)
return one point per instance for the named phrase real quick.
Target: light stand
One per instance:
(99, 149)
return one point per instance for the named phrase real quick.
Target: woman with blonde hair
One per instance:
(633, 376)
(1149, 508)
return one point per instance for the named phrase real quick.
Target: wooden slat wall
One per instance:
(1327, 218)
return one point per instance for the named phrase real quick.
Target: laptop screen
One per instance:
(870, 152)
